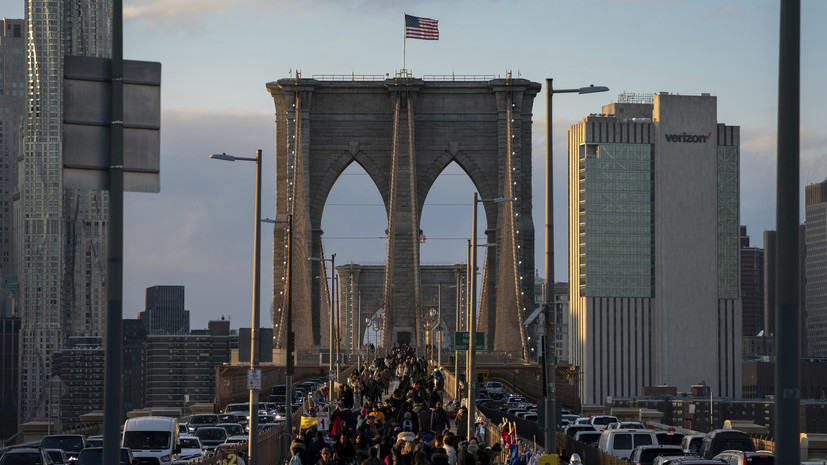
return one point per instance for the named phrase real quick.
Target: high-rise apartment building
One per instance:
(752, 286)
(76, 386)
(180, 368)
(60, 234)
(653, 256)
(165, 313)
(12, 105)
(815, 269)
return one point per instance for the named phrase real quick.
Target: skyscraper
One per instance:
(653, 256)
(165, 313)
(60, 233)
(815, 269)
(752, 286)
(12, 105)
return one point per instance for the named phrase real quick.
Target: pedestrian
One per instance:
(439, 419)
(461, 422)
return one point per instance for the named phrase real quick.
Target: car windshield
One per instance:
(190, 443)
(146, 439)
(204, 420)
(761, 460)
(67, 443)
(212, 434)
(237, 408)
(604, 420)
(233, 430)
(22, 458)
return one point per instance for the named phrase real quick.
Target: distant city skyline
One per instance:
(217, 57)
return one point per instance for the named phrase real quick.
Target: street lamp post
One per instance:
(472, 311)
(332, 261)
(252, 443)
(548, 343)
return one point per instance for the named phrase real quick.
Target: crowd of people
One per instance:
(391, 412)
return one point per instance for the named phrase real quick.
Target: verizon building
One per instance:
(654, 251)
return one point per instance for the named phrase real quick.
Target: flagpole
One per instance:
(404, 39)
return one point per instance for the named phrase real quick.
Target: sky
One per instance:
(218, 55)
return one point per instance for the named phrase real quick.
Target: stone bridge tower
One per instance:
(404, 132)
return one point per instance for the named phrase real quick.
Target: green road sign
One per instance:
(461, 340)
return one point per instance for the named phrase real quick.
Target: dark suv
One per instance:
(645, 455)
(72, 444)
(720, 440)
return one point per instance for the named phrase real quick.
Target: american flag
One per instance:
(421, 28)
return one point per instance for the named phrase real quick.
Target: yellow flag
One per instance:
(308, 422)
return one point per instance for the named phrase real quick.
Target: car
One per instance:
(621, 442)
(201, 420)
(211, 437)
(625, 425)
(494, 388)
(739, 457)
(571, 430)
(600, 422)
(25, 456)
(236, 439)
(530, 409)
(719, 440)
(521, 407)
(645, 455)
(676, 459)
(589, 438)
(686, 460)
(691, 444)
(190, 448)
(94, 456)
(233, 429)
(512, 401)
(669, 438)
(569, 418)
(234, 408)
(94, 441)
(530, 416)
(152, 439)
(58, 456)
(72, 444)
(265, 426)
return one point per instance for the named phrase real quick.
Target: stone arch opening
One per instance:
(354, 218)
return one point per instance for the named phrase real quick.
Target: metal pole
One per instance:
(330, 383)
(787, 310)
(472, 324)
(467, 312)
(457, 310)
(439, 325)
(337, 299)
(112, 398)
(548, 343)
(252, 444)
(359, 323)
(291, 341)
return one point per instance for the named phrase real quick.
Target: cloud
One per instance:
(728, 10)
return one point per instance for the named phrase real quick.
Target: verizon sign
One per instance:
(688, 138)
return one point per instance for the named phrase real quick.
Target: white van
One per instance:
(621, 442)
(152, 437)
